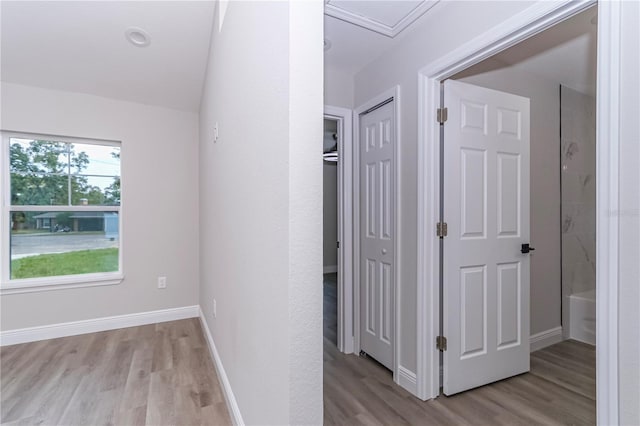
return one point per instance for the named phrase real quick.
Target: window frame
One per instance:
(27, 285)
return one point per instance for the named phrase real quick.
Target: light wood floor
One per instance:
(162, 374)
(559, 390)
(158, 374)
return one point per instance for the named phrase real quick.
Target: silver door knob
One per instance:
(384, 251)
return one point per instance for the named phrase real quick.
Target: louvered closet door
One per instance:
(376, 234)
(486, 207)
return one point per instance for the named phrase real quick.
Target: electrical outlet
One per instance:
(216, 133)
(215, 308)
(162, 282)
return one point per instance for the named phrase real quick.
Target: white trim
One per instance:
(61, 138)
(65, 208)
(376, 26)
(345, 268)
(608, 206)
(5, 212)
(545, 338)
(330, 269)
(531, 21)
(232, 404)
(428, 274)
(73, 328)
(392, 93)
(407, 379)
(31, 285)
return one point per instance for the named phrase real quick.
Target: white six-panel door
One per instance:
(486, 207)
(377, 135)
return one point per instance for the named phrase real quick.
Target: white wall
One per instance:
(545, 182)
(260, 211)
(338, 87)
(629, 267)
(159, 203)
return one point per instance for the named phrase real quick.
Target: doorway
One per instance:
(533, 190)
(353, 219)
(495, 192)
(429, 206)
(338, 228)
(330, 243)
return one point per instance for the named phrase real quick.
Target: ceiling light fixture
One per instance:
(137, 36)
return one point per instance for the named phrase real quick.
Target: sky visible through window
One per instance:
(101, 161)
(39, 168)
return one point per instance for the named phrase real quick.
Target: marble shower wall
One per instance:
(578, 212)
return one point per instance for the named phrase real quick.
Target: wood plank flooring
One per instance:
(559, 390)
(159, 374)
(162, 374)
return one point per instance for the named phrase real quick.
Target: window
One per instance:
(61, 212)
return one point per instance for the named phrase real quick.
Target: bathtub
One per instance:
(582, 314)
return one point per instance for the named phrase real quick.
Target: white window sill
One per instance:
(30, 285)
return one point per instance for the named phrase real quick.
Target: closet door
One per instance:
(377, 221)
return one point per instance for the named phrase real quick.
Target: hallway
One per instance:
(559, 390)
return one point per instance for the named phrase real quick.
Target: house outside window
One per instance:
(60, 212)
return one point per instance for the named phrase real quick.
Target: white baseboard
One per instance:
(407, 380)
(545, 338)
(330, 269)
(232, 405)
(53, 331)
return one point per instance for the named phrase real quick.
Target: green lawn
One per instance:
(29, 231)
(71, 263)
(40, 232)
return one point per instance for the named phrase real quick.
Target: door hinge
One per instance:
(441, 115)
(441, 343)
(338, 244)
(441, 229)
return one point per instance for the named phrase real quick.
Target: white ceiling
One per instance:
(355, 43)
(386, 17)
(564, 54)
(81, 47)
(352, 47)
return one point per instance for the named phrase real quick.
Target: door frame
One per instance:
(344, 118)
(531, 21)
(401, 376)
